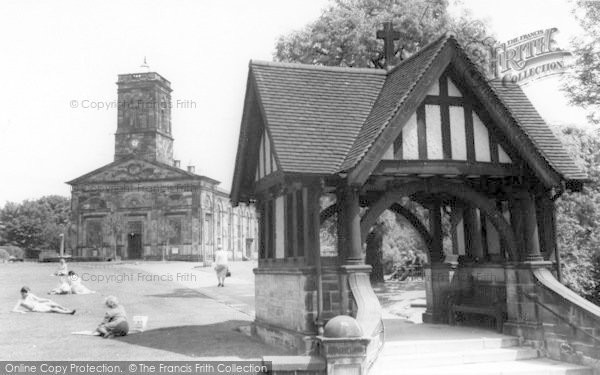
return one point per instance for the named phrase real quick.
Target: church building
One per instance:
(144, 205)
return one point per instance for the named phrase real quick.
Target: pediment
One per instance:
(132, 170)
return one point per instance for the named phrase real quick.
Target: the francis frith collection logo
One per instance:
(528, 58)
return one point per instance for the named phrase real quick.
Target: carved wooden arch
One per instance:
(328, 212)
(399, 209)
(395, 208)
(436, 186)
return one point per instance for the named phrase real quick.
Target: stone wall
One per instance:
(286, 305)
(190, 202)
(541, 310)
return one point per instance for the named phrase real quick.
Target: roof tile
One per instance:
(325, 119)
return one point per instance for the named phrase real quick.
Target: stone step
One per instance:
(526, 367)
(434, 359)
(457, 345)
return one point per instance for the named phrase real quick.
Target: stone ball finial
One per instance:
(342, 326)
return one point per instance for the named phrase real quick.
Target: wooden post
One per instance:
(530, 228)
(473, 239)
(341, 227)
(516, 222)
(546, 223)
(313, 241)
(435, 226)
(350, 216)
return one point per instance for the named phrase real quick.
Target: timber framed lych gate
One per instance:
(432, 130)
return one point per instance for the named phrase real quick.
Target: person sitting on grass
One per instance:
(29, 302)
(62, 269)
(75, 285)
(115, 319)
(62, 288)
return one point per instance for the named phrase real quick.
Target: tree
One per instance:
(345, 34)
(113, 225)
(578, 217)
(583, 79)
(35, 224)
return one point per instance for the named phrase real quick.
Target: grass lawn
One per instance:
(183, 324)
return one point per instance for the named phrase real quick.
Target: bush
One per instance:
(15, 251)
(4, 255)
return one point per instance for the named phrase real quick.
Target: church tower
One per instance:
(144, 117)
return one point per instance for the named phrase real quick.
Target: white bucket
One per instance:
(139, 323)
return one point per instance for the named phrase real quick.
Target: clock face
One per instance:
(134, 143)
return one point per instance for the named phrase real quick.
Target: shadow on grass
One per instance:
(212, 340)
(181, 293)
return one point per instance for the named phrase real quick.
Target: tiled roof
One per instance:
(398, 85)
(315, 113)
(324, 120)
(517, 103)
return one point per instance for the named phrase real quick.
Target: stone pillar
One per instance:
(524, 318)
(438, 283)
(344, 347)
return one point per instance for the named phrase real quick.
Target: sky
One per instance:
(62, 56)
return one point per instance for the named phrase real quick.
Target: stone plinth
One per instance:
(523, 316)
(438, 283)
(286, 305)
(343, 347)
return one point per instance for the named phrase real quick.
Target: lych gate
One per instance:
(432, 130)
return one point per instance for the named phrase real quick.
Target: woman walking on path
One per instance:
(221, 265)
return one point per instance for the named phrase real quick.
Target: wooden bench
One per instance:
(481, 298)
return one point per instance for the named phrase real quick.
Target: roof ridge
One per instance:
(491, 85)
(317, 67)
(442, 42)
(445, 37)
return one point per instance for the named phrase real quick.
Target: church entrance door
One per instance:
(134, 240)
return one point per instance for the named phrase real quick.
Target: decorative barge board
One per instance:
(432, 129)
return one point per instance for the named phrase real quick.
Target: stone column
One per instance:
(438, 275)
(523, 314)
(344, 347)
(438, 283)
(524, 317)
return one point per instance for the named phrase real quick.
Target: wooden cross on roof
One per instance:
(389, 35)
